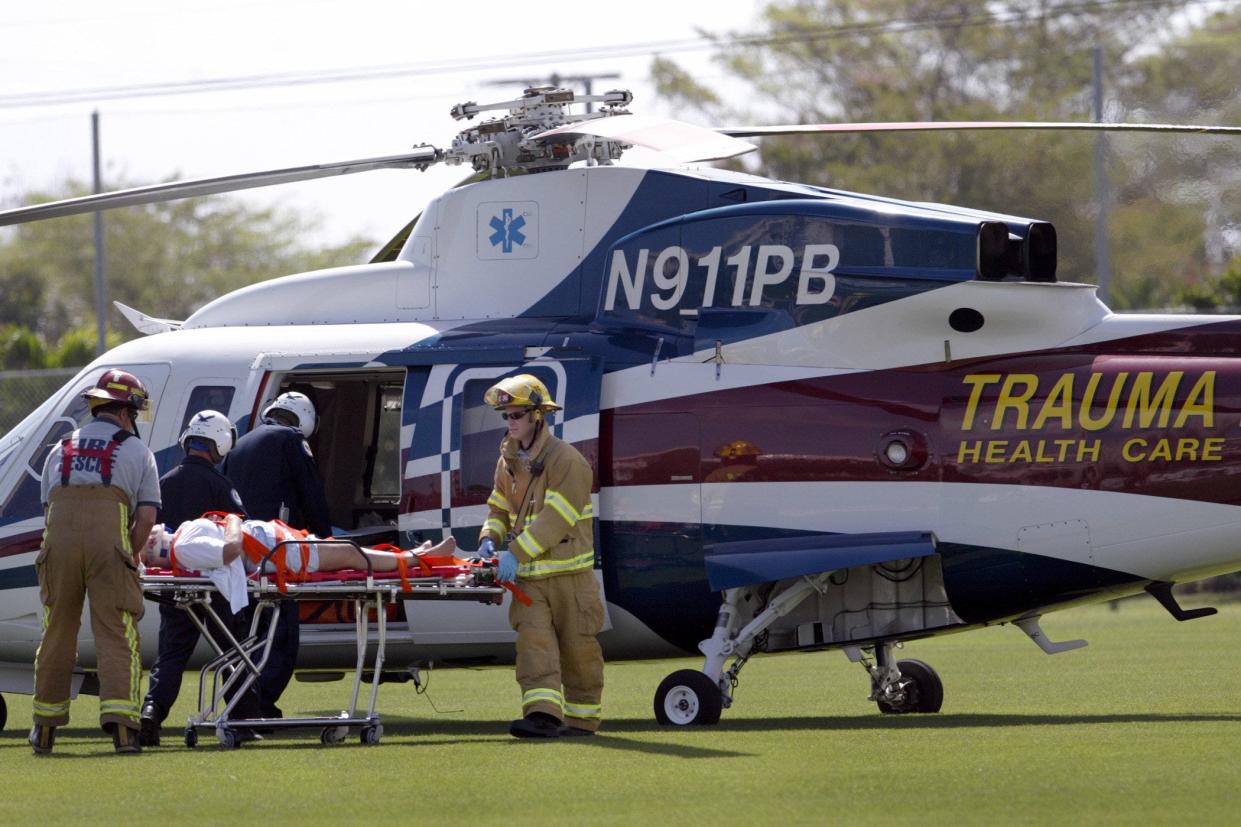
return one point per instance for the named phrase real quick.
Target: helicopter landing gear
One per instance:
(900, 687)
(686, 697)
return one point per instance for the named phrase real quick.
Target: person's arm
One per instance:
(232, 538)
(499, 510)
(144, 521)
(309, 485)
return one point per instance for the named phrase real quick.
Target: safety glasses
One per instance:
(515, 415)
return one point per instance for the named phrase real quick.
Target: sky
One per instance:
(458, 50)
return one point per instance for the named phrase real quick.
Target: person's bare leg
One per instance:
(337, 557)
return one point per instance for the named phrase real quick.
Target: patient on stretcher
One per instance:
(225, 548)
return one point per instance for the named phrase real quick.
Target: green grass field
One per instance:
(1144, 725)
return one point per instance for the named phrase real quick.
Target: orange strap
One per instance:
(257, 552)
(518, 595)
(402, 567)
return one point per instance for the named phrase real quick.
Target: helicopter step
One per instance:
(794, 593)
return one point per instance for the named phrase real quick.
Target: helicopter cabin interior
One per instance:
(357, 445)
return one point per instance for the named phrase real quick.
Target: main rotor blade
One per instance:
(948, 126)
(682, 142)
(419, 158)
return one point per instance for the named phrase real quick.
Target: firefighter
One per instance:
(100, 495)
(274, 470)
(541, 507)
(190, 490)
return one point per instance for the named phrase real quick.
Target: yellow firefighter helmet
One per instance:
(522, 391)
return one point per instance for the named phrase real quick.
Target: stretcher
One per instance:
(225, 679)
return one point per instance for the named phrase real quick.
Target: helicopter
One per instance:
(818, 419)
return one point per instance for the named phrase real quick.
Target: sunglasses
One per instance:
(515, 415)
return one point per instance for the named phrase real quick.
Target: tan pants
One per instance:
(559, 662)
(86, 552)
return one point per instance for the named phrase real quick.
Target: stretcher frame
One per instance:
(237, 664)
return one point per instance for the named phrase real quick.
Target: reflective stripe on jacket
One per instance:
(548, 515)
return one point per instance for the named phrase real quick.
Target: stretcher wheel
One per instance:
(334, 735)
(228, 738)
(372, 734)
(687, 697)
(191, 737)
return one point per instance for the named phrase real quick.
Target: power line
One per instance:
(580, 54)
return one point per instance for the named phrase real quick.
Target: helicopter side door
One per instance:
(451, 460)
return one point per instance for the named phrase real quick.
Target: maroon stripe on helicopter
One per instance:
(423, 492)
(20, 544)
(1157, 415)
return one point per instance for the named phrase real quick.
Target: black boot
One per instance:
(148, 726)
(42, 738)
(535, 725)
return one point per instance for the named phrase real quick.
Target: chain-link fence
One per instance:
(21, 391)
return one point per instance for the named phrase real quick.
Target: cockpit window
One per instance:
(74, 416)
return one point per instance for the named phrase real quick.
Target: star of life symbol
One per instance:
(507, 230)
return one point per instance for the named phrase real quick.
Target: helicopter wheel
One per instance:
(4, 712)
(688, 697)
(923, 690)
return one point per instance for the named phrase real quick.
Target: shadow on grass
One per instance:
(426, 732)
(951, 721)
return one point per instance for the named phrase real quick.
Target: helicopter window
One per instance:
(481, 432)
(207, 398)
(74, 415)
(383, 478)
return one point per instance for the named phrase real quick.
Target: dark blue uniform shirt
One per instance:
(272, 465)
(192, 489)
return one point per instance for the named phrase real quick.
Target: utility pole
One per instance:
(556, 79)
(1102, 250)
(101, 317)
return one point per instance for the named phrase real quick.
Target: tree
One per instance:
(900, 60)
(167, 259)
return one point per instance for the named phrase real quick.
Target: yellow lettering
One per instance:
(1089, 422)
(1162, 450)
(978, 382)
(1042, 457)
(1186, 446)
(1211, 449)
(1136, 442)
(1205, 388)
(1064, 445)
(996, 449)
(1022, 452)
(1019, 403)
(1092, 449)
(1059, 404)
(1140, 399)
(969, 452)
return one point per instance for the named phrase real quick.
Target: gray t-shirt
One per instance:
(133, 465)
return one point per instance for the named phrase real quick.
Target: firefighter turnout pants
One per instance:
(559, 662)
(86, 553)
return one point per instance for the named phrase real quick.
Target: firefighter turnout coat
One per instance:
(541, 506)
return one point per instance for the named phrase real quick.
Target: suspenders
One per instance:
(105, 454)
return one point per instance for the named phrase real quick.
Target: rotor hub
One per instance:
(511, 143)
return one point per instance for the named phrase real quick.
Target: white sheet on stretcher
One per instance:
(200, 547)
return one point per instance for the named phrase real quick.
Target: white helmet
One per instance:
(299, 406)
(214, 426)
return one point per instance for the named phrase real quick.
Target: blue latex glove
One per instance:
(487, 548)
(508, 567)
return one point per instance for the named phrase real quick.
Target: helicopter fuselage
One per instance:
(740, 360)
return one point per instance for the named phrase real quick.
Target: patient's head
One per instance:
(155, 552)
